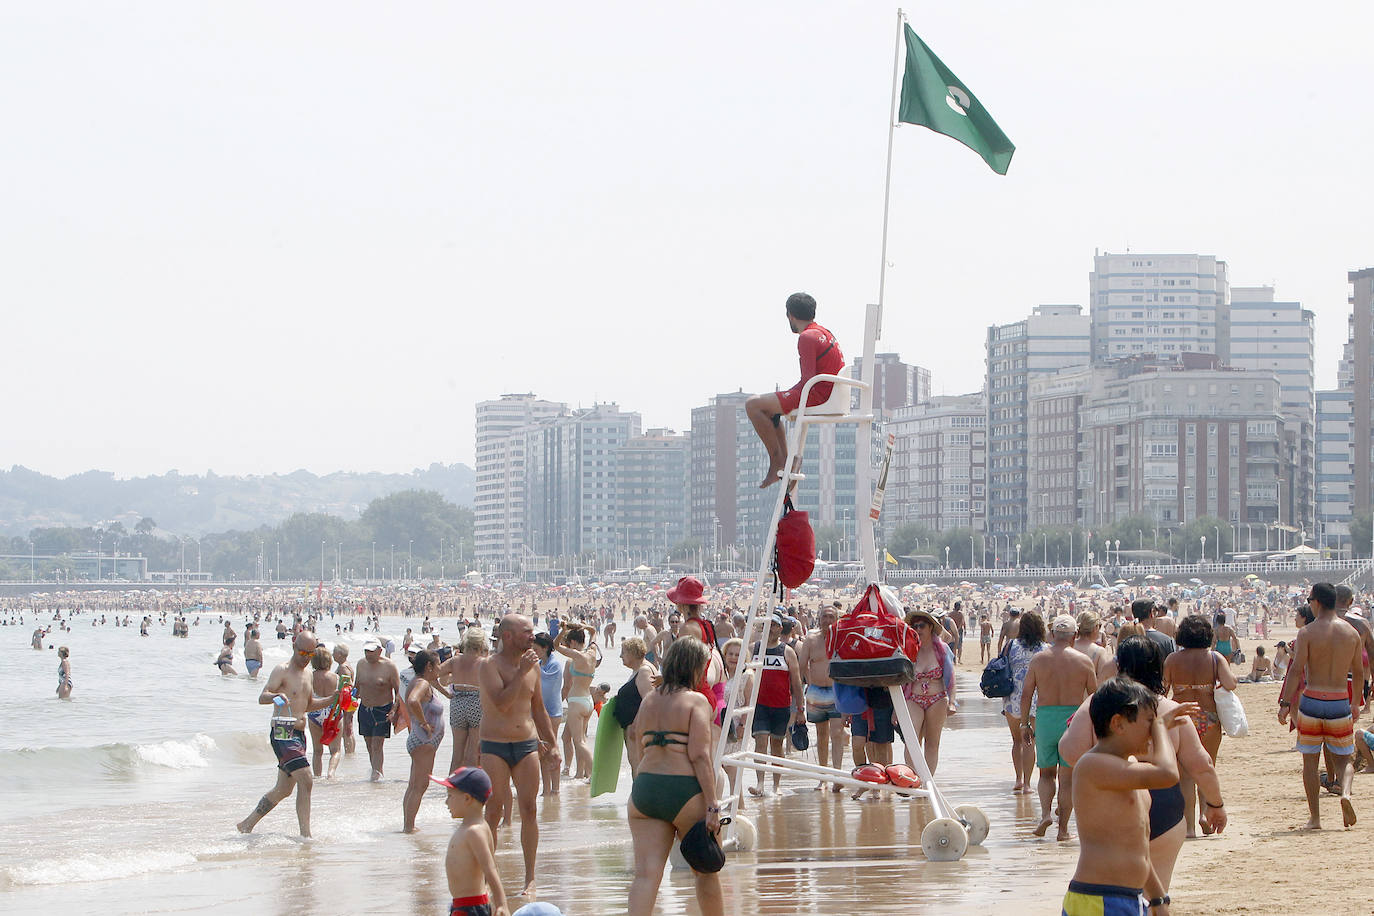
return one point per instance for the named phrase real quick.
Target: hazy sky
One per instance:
(256, 237)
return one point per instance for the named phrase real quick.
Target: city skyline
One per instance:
(271, 231)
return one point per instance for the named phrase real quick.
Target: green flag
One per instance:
(934, 97)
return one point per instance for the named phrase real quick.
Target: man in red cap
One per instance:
(819, 354)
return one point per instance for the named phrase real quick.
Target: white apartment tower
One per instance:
(1162, 304)
(499, 497)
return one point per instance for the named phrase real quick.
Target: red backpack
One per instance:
(794, 551)
(871, 646)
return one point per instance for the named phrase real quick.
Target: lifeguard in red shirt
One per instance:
(819, 354)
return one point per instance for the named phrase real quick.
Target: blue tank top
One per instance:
(551, 685)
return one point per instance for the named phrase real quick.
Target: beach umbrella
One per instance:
(1252, 576)
(1195, 581)
(1153, 576)
(1175, 585)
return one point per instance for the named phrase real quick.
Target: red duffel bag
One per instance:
(872, 646)
(794, 556)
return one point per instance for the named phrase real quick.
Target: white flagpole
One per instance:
(873, 329)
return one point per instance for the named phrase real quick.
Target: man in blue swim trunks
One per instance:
(378, 686)
(820, 693)
(289, 694)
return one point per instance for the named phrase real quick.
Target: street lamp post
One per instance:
(1018, 555)
(970, 551)
(1203, 555)
(946, 556)
(410, 558)
(322, 546)
(1217, 551)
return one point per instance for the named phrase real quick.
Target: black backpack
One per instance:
(997, 680)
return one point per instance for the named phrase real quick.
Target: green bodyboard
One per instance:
(608, 752)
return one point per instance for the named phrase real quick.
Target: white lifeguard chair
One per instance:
(949, 834)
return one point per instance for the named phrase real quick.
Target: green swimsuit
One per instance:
(662, 796)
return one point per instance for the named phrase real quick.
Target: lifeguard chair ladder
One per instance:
(947, 836)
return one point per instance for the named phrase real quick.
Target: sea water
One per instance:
(124, 799)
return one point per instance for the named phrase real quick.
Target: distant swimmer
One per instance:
(288, 692)
(819, 354)
(38, 638)
(64, 674)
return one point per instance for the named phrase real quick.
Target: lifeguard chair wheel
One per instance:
(944, 840)
(976, 821)
(746, 834)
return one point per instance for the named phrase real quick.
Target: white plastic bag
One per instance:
(1231, 713)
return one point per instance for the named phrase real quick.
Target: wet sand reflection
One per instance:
(825, 853)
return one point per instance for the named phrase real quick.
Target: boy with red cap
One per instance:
(470, 863)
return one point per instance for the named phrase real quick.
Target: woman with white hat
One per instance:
(930, 697)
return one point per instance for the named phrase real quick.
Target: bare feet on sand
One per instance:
(1045, 823)
(1312, 824)
(1347, 811)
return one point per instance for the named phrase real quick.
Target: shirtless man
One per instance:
(1059, 679)
(1089, 642)
(665, 639)
(647, 633)
(378, 685)
(288, 691)
(956, 617)
(252, 652)
(515, 732)
(1345, 604)
(1330, 653)
(984, 639)
(820, 695)
(1010, 628)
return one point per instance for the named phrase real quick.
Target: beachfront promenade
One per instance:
(1134, 573)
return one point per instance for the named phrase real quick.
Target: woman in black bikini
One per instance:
(674, 791)
(1142, 660)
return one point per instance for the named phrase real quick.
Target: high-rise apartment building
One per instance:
(1158, 303)
(1181, 438)
(1278, 337)
(715, 467)
(1360, 368)
(1335, 477)
(939, 464)
(570, 482)
(499, 496)
(1054, 408)
(1053, 337)
(895, 384)
(651, 494)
